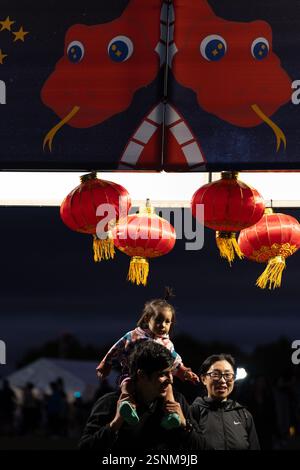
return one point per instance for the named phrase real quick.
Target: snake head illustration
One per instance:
(102, 67)
(231, 66)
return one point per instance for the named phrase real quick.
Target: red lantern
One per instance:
(141, 236)
(229, 206)
(275, 237)
(78, 211)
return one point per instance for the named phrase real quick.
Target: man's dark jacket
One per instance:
(226, 425)
(148, 435)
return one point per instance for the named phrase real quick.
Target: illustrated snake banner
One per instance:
(150, 85)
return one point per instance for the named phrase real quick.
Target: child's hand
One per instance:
(103, 370)
(100, 375)
(191, 376)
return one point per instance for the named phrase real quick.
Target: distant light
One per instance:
(77, 395)
(240, 373)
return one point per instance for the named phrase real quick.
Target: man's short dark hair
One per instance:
(150, 357)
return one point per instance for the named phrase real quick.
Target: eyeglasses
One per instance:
(215, 375)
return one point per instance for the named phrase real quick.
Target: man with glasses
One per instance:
(226, 424)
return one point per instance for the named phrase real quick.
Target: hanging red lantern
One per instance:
(141, 236)
(78, 211)
(275, 237)
(229, 206)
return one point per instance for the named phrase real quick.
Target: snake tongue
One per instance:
(280, 137)
(50, 136)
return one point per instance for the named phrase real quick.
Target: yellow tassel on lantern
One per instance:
(228, 246)
(103, 249)
(272, 273)
(138, 270)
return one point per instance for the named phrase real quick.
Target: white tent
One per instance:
(79, 377)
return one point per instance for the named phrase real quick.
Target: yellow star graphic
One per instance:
(2, 57)
(20, 34)
(6, 24)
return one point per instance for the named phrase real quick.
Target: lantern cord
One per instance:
(272, 274)
(103, 248)
(138, 270)
(228, 246)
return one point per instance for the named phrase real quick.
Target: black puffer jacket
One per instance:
(226, 425)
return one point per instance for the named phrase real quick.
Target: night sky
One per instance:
(50, 285)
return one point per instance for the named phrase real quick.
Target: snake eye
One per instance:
(75, 51)
(260, 48)
(213, 47)
(120, 48)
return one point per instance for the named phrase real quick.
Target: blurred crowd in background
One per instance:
(275, 406)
